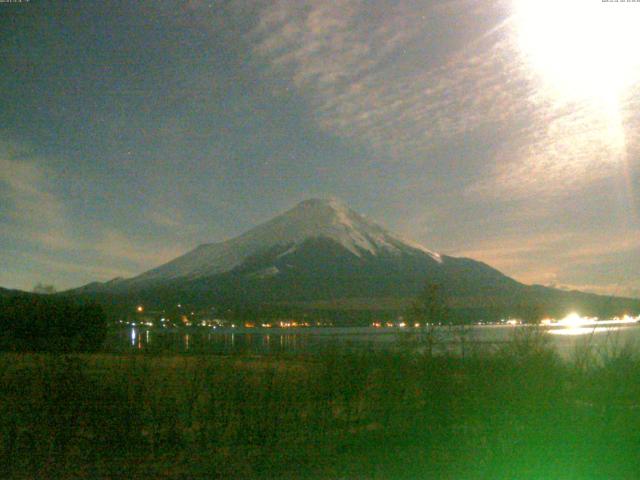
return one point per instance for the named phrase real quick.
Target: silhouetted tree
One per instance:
(430, 306)
(429, 309)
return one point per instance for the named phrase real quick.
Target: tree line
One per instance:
(44, 323)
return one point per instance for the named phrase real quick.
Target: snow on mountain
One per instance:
(322, 251)
(315, 218)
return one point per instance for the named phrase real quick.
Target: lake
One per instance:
(226, 341)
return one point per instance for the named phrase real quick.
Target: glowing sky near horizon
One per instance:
(505, 130)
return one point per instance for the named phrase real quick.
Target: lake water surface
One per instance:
(457, 340)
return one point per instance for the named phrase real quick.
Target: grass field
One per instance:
(518, 413)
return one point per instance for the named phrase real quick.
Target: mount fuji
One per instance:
(322, 254)
(284, 238)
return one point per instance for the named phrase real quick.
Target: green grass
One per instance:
(518, 413)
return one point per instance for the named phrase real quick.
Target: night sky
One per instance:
(507, 131)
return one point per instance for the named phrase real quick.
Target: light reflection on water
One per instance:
(564, 338)
(574, 331)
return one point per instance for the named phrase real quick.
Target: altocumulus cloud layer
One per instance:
(398, 76)
(426, 115)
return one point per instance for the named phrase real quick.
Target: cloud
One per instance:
(517, 255)
(389, 75)
(141, 251)
(36, 219)
(169, 217)
(96, 270)
(564, 260)
(380, 76)
(33, 212)
(566, 149)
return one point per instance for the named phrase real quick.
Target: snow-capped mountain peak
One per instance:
(310, 219)
(323, 218)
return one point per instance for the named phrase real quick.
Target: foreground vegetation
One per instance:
(517, 413)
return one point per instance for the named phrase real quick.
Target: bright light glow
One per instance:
(575, 320)
(140, 309)
(582, 49)
(574, 324)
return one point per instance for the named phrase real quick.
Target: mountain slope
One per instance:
(310, 219)
(322, 251)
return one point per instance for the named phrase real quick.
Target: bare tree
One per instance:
(429, 310)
